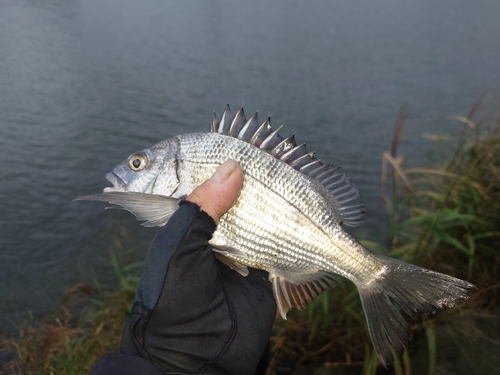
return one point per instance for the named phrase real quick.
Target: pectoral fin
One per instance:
(155, 210)
(222, 252)
(299, 290)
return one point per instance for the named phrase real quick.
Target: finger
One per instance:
(218, 194)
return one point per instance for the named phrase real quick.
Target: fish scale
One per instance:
(281, 222)
(288, 220)
(261, 166)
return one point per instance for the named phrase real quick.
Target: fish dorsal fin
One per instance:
(238, 123)
(248, 129)
(225, 121)
(341, 188)
(300, 289)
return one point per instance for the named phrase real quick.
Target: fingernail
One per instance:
(224, 171)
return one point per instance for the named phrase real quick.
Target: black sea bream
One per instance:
(289, 220)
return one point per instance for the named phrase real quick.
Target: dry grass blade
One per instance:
(466, 121)
(433, 171)
(401, 119)
(396, 164)
(439, 137)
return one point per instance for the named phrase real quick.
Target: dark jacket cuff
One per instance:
(124, 364)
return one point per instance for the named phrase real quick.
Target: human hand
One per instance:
(192, 313)
(218, 194)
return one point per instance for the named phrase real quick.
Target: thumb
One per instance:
(218, 194)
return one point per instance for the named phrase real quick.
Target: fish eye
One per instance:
(138, 162)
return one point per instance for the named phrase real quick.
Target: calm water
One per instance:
(84, 83)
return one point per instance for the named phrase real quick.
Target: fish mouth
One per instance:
(118, 183)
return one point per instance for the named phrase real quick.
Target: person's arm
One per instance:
(192, 313)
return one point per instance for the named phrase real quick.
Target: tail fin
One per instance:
(416, 291)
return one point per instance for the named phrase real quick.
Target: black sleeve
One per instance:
(123, 364)
(192, 313)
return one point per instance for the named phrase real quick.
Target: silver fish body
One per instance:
(288, 221)
(282, 222)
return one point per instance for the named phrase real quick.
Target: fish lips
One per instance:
(118, 183)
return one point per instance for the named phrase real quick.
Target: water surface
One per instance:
(85, 83)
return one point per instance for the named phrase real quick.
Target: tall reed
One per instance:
(445, 217)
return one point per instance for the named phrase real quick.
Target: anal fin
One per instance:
(299, 290)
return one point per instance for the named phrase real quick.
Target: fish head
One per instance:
(152, 170)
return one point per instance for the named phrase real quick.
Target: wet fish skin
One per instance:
(288, 221)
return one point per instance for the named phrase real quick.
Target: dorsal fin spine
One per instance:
(214, 124)
(306, 169)
(319, 171)
(266, 143)
(295, 153)
(285, 145)
(238, 122)
(225, 121)
(303, 160)
(334, 184)
(335, 178)
(337, 184)
(341, 191)
(324, 175)
(249, 128)
(263, 130)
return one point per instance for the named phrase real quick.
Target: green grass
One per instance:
(65, 343)
(76, 334)
(444, 216)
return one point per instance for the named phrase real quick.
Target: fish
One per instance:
(289, 220)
